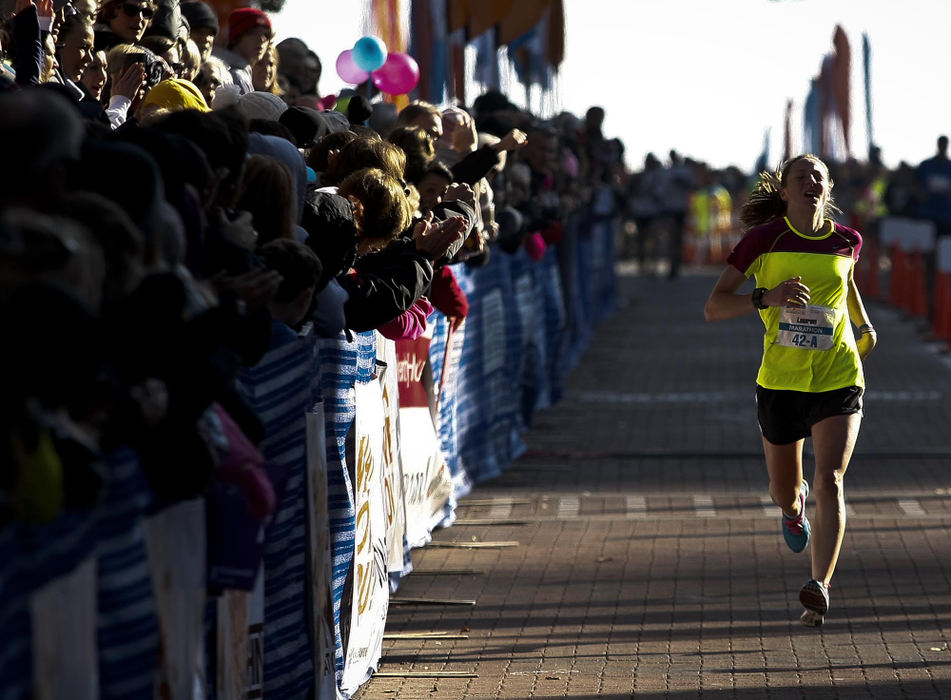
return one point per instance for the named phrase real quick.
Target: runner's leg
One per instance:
(784, 464)
(833, 440)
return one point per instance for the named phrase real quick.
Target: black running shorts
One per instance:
(788, 416)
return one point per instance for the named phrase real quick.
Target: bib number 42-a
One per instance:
(806, 327)
(802, 340)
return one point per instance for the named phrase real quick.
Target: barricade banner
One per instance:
(35, 556)
(126, 626)
(177, 560)
(392, 460)
(255, 669)
(530, 375)
(232, 614)
(371, 580)
(488, 420)
(320, 596)
(445, 354)
(427, 483)
(343, 362)
(553, 315)
(63, 615)
(280, 389)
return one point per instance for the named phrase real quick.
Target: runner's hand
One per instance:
(866, 342)
(792, 292)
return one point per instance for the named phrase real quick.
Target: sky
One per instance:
(710, 78)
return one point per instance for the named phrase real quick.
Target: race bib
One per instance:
(807, 327)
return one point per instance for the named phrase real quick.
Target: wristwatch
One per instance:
(758, 298)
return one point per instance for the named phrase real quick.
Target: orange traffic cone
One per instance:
(942, 307)
(918, 293)
(897, 282)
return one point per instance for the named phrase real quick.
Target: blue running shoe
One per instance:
(796, 530)
(814, 596)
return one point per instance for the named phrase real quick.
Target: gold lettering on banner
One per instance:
(364, 473)
(363, 517)
(389, 503)
(388, 456)
(364, 587)
(364, 465)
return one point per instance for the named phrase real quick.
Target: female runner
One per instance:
(810, 381)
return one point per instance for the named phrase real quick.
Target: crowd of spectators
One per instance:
(667, 207)
(170, 198)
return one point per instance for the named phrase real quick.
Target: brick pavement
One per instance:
(649, 561)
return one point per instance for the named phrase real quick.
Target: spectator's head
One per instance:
(267, 191)
(331, 232)
(317, 159)
(50, 249)
(381, 210)
(173, 95)
(492, 101)
(165, 48)
(122, 56)
(433, 185)
(74, 46)
(594, 119)
(223, 137)
(211, 76)
(300, 66)
(264, 72)
(127, 19)
(42, 133)
(191, 61)
(249, 33)
(95, 75)
(424, 115)
(85, 9)
(301, 271)
(541, 152)
(203, 23)
(310, 72)
(261, 105)
(363, 153)
(943, 146)
(307, 125)
(121, 241)
(418, 147)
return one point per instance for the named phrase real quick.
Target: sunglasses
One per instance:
(133, 10)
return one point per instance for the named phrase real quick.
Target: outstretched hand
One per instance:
(514, 140)
(434, 240)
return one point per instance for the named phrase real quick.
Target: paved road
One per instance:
(649, 560)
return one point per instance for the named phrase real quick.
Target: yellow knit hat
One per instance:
(176, 94)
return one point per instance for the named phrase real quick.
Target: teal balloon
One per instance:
(369, 53)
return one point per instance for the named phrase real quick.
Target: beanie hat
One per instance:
(261, 105)
(307, 124)
(243, 20)
(175, 94)
(200, 15)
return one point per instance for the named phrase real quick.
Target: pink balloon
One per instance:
(348, 71)
(398, 75)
